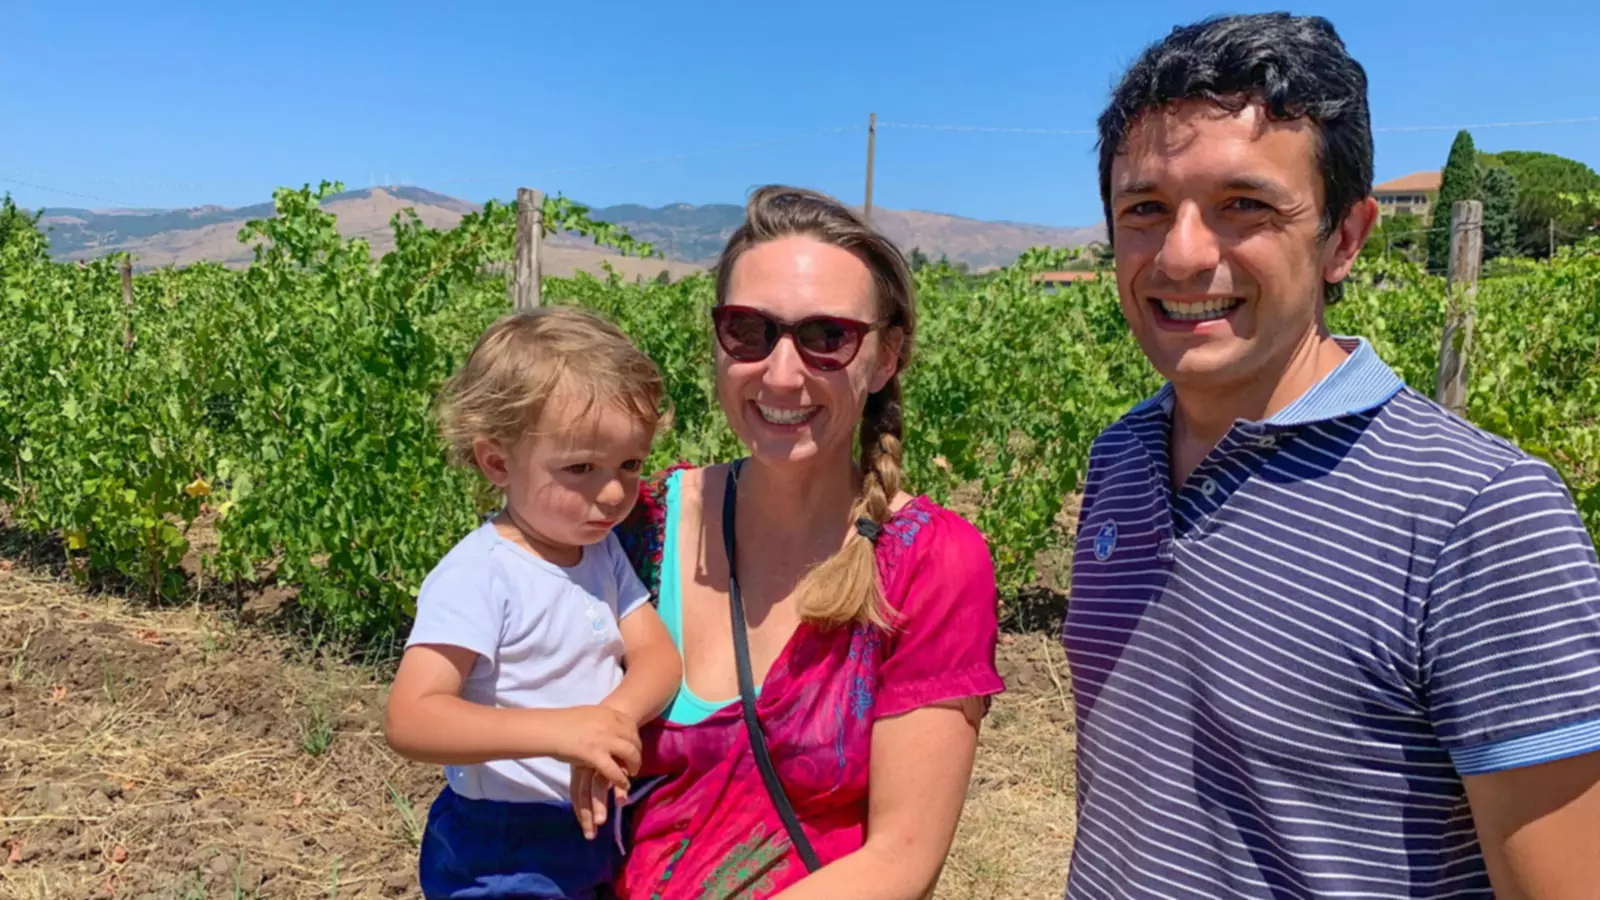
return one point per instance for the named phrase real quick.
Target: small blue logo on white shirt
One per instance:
(1105, 541)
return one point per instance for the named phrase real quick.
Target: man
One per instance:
(1327, 639)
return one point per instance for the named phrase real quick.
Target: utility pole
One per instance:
(872, 133)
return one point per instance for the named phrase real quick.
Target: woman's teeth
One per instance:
(1204, 311)
(786, 415)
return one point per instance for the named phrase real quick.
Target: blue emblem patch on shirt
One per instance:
(1105, 541)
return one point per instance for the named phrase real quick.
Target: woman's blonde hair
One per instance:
(526, 358)
(844, 588)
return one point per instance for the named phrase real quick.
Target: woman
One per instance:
(870, 614)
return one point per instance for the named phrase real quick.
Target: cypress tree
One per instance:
(1460, 183)
(1499, 212)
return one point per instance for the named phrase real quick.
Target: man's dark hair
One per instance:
(1294, 66)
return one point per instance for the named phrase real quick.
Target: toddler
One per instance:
(535, 656)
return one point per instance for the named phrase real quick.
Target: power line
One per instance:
(986, 129)
(1581, 120)
(48, 189)
(655, 159)
(673, 157)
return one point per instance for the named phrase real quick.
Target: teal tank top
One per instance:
(687, 707)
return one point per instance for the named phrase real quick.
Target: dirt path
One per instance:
(177, 754)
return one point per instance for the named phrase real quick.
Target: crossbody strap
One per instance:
(741, 654)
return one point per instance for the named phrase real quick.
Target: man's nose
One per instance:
(1190, 247)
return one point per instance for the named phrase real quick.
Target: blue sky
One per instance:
(184, 103)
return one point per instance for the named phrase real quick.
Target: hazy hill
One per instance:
(690, 236)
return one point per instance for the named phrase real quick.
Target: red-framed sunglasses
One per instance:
(825, 343)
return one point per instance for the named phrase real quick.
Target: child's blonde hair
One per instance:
(524, 359)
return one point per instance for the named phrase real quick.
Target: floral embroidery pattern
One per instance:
(643, 533)
(858, 691)
(671, 861)
(748, 868)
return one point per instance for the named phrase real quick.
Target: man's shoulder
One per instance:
(1131, 429)
(1430, 427)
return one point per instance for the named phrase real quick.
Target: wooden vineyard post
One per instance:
(127, 304)
(1466, 255)
(525, 285)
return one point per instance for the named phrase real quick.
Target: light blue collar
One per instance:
(1363, 381)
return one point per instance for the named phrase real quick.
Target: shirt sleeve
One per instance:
(631, 590)
(942, 646)
(1511, 632)
(461, 606)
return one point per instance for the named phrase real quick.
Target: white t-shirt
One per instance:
(546, 637)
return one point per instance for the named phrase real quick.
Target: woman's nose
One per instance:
(785, 368)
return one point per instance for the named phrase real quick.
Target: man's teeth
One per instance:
(786, 416)
(1203, 311)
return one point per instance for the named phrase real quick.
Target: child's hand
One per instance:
(589, 798)
(602, 739)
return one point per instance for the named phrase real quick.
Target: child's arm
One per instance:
(652, 667)
(652, 672)
(427, 720)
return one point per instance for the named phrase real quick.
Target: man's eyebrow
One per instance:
(1254, 185)
(1134, 187)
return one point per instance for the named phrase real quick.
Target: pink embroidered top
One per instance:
(708, 830)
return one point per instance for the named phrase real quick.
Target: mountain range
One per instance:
(689, 236)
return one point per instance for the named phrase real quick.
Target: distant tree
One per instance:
(1545, 182)
(1499, 211)
(918, 260)
(1460, 183)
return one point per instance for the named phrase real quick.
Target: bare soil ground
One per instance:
(180, 754)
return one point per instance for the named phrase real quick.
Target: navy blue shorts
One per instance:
(491, 848)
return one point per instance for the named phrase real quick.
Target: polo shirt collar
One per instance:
(1362, 382)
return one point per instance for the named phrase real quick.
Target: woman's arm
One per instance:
(933, 692)
(921, 762)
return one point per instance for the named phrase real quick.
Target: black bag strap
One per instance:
(747, 691)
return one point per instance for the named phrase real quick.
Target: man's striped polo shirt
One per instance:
(1284, 668)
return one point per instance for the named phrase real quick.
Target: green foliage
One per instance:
(1499, 212)
(1460, 182)
(563, 215)
(1400, 236)
(289, 404)
(1544, 182)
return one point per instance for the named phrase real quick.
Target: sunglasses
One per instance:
(825, 343)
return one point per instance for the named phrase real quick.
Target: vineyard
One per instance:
(281, 412)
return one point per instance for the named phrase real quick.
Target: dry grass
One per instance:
(175, 754)
(1016, 831)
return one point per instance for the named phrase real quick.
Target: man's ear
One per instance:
(1345, 244)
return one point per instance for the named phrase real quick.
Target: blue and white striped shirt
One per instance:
(1284, 668)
